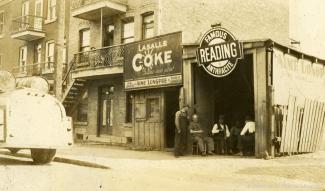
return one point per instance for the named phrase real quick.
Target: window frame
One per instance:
(23, 68)
(82, 47)
(2, 23)
(51, 15)
(124, 39)
(145, 25)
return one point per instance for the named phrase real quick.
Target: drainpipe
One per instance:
(101, 27)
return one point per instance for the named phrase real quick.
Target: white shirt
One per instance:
(249, 126)
(215, 129)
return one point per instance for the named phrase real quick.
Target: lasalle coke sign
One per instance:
(219, 52)
(155, 62)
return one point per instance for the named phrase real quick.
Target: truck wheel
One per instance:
(42, 156)
(13, 150)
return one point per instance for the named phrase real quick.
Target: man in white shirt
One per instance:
(220, 132)
(246, 142)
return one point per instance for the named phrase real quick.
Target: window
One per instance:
(51, 11)
(25, 8)
(2, 22)
(22, 59)
(128, 31)
(49, 56)
(148, 25)
(128, 113)
(82, 110)
(152, 107)
(84, 40)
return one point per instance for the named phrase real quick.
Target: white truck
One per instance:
(32, 119)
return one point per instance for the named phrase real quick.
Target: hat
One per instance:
(221, 117)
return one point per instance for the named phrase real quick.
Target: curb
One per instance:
(61, 160)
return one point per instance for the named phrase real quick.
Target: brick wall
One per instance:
(251, 19)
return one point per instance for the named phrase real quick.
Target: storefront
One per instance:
(152, 79)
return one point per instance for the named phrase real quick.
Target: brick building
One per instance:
(99, 37)
(33, 39)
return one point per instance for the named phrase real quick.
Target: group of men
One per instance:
(220, 140)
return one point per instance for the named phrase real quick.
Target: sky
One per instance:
(307, 25)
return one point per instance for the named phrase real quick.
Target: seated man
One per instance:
(220, 132)
(246, 142)
(232, 141)
(199, 136)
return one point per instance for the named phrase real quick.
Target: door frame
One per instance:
(99, 111)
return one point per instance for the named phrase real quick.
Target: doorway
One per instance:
(105, 114)
(231, 96)
(172, 106)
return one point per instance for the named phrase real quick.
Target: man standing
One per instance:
(181, 123)
(199, 136)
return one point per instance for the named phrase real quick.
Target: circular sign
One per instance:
(219, 52)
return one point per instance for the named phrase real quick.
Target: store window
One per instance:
(152, 107)
(82, 110)
(84, 40)
(128, 31)
(148, 25)
(2, 22)
(51, 10)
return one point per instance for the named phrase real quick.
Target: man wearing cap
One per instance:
(199, 136)
(181, 123)
(220, 132)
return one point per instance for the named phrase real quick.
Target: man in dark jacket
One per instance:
(181, 123)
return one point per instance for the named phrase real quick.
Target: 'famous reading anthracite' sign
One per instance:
(219, 52)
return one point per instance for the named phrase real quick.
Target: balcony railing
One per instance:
(104, 57)
(28, 27)
(80, 3)
(37, 69)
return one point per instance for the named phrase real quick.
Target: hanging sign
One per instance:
(219, 52)
(153, 63)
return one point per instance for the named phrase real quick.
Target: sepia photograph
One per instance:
(162, 95)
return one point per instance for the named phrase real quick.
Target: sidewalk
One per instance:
(152, 169)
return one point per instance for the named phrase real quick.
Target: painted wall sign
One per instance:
(219, 52)
(154, 62)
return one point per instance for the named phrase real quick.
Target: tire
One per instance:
(42, 156)
(14, 150)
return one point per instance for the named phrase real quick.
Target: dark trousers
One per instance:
(232, 143)
(246, 144)
(220, 142)
(180, 143)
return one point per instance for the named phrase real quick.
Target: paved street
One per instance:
(136, 170)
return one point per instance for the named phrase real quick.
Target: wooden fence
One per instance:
(300, 128)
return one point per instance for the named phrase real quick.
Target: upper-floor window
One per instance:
(25, 8)
(51, 10)
(128, 31)
(148, 25)
(2, 22)
(84, 40)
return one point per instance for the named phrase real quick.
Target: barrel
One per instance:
(35, 82)
(7, 81)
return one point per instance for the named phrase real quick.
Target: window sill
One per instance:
(80, 123)
(50, 21)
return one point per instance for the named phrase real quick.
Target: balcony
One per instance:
(94, 9)
(104, 61)
(27, 28)
(39, 69)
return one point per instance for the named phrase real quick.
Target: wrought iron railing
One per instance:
(34, 69)
(28, 22)
(79, 3)
(98, 58)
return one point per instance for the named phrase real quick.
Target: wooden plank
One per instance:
(283, 133)
(152, 135)
(317, 126)
(157, 136)
(291, 107)
(321, 134)
(304, 126)
(162, 120)
(301, 115)
(310, 125)
(314, 127)
(294, 140)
